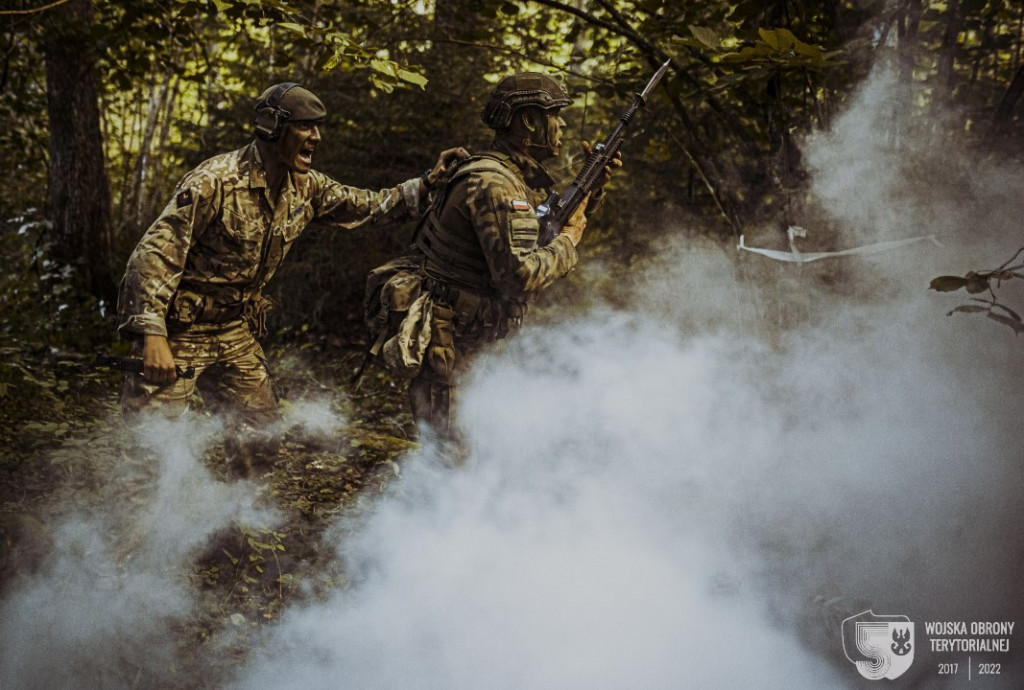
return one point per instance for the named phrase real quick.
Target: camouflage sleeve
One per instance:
(347, 207)
(507, 227)
(154, 268)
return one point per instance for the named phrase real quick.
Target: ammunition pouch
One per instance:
(255, 312)
(188, 308)
(185, 309)
(480, 316)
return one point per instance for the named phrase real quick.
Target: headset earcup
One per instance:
(268, 124)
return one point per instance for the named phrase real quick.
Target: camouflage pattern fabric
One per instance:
(242, 381)
(220, 239)
(489, 206)
(197, 273)
(493, 208)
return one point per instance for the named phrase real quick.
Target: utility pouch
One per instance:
(403, 352)
(185, 309)
(440, 352)
(255, 313)
(391, 290)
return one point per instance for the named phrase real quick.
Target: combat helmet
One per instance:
(525, 88)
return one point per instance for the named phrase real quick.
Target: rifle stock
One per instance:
(132, 365)
(555, 212)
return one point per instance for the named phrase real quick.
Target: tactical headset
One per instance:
(270, 117)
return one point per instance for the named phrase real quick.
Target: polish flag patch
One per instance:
(519, 205)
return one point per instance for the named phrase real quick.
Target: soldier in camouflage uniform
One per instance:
(191, 294)
(478, 247)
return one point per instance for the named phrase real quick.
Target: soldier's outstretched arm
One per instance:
(348, 207)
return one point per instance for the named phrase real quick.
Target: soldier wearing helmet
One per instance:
(477, 248)
(192, 290)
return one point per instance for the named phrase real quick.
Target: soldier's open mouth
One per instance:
(306, 155)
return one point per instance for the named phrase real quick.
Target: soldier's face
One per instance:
(297, 144)
(555, 126)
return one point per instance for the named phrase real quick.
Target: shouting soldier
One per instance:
(191, 295)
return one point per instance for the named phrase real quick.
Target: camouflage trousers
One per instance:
(231, 375)
(454, 342)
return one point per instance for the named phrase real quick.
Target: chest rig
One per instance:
(446, 236)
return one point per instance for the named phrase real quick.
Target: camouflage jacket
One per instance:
(487, 225)
(220, 239)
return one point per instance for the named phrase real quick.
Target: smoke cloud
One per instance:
(664, 495)
(107, 608)
(671, 495)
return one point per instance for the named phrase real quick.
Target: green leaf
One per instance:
(413, 78)
(947, 283)
(770, 37)
(330, 60)
(706, 36)
(222, 6)
(383, 66)
(291, 26)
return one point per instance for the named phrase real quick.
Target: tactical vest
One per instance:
(448, 240)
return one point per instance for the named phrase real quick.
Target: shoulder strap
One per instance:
(490, 161)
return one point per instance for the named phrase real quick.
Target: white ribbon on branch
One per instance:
(799, 257)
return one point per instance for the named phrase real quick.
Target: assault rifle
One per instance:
(556, 210)
(132, 365)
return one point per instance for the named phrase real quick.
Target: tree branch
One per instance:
(35, 10)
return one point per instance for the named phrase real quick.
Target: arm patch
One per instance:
(184, 198)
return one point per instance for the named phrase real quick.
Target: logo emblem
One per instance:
(880, 646)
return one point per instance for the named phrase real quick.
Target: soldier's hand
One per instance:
(609, 170)
(157, 360)
(577, 223)
(447, 157)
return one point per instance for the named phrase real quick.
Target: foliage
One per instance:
(403, 79)
(976, 282)
(48, 339)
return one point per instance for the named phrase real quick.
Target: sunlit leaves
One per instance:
(707, 37)
(292, 26)
(385, 75)
(778, 48)
(413, 78)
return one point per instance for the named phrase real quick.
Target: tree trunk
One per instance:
(79, 193)
(155, 191)
(908, 25)
(1004, 112)
(947, 58)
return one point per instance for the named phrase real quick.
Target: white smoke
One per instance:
(659, 497)
(655, 497)
(107, 608)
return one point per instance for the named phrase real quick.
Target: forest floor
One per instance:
(62, 441)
